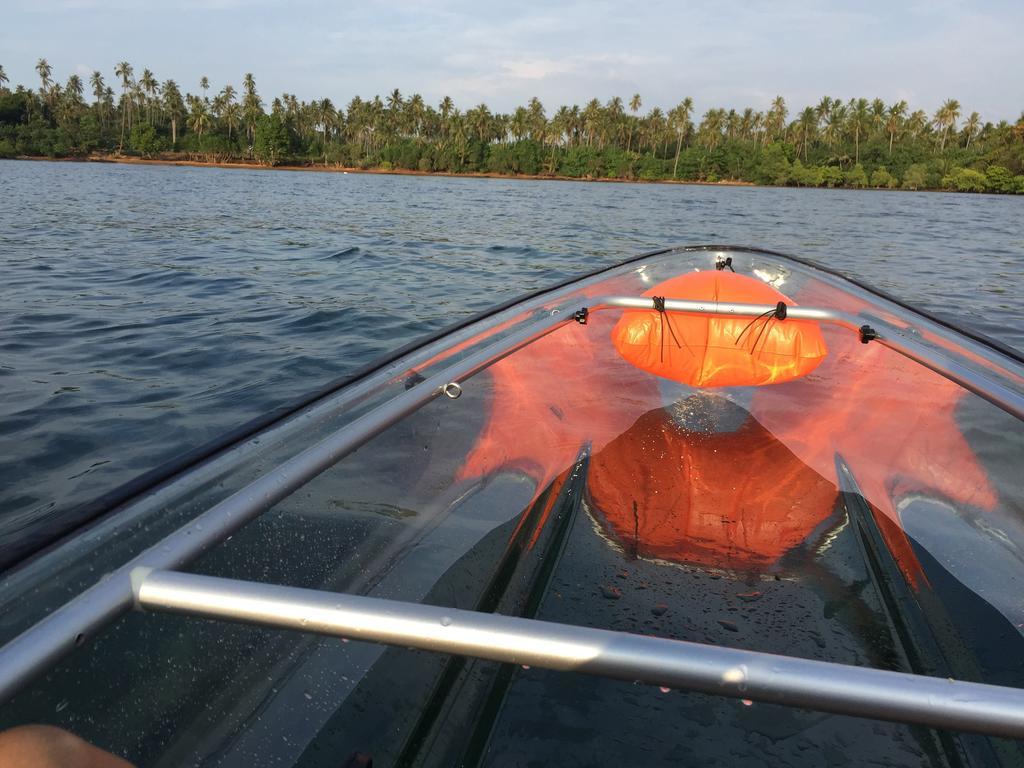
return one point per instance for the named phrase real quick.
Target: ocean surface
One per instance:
(146, 309)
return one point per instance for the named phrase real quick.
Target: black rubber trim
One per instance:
(89, 512)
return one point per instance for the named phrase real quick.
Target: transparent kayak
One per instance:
(525, 542)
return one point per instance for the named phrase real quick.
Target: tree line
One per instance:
(834, 143)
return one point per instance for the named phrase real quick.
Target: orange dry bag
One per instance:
(715, 350)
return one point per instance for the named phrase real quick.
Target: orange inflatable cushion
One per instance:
(719, 351)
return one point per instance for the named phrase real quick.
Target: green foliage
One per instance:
(965, 180)
(916, 177)
(999, 179)
(882, 178)
(145, 141)
(857, 143)
(856, 177)
(522, 157)
(35, 138)
(582, 162)
(774, 167)
(14, 108)
(272, 141)
(803, 176)
(832, 176)
(651, 168)
(403, 154)
(7, 149)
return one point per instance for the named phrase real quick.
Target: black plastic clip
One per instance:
(581, 315)
(780, 310)
(659, 303)
(413, 379)
(867, 333)
(721, 264)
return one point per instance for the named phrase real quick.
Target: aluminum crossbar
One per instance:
(726, 308)
(1001, 396)
(818, 685)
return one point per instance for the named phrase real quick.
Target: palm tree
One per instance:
(776, 120)
(614, 113)
(252, 107)
(45, 70)
(124, 71)
(417, 110)
(46, 90)
(173, 106)
(480, 122)
(204, 83)
(824, 107)
(859, 120)
(394, 118)
(149, 84)
(231, 115)
(654, 128)
(894, 120)
(916, 123)
(447, 106)
(98, 87)
(520, 124)
(971, 127)
(327, 117)
(679, 117)
(591, 119)
(710, 130)
(746, 123)
(945, 119)
(538, 122)
(808, 124)
(3, 79)
(199, 115)
(561, 125)
(834, 121)
(75, 87)
(878, 115)
(634, 106)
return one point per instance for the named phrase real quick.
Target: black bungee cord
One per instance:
(777, 313)
(659, 305)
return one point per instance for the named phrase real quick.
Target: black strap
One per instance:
(659, 305)
(779, 313)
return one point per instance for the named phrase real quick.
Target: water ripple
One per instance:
(143, 310)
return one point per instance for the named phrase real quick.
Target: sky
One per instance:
(722, 53)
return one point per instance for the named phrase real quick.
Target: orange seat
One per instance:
(719, 351)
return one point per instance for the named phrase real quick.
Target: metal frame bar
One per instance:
(1001, 396)
(863, 692)
(726, 308)
(69, 626)
(818, 685)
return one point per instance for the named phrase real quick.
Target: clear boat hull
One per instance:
(870, 513)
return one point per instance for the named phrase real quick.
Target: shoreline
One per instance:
(130, 160)
(247, 166)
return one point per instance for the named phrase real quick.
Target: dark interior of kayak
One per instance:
(711, 506)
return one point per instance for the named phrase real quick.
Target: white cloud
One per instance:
(721, 52)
